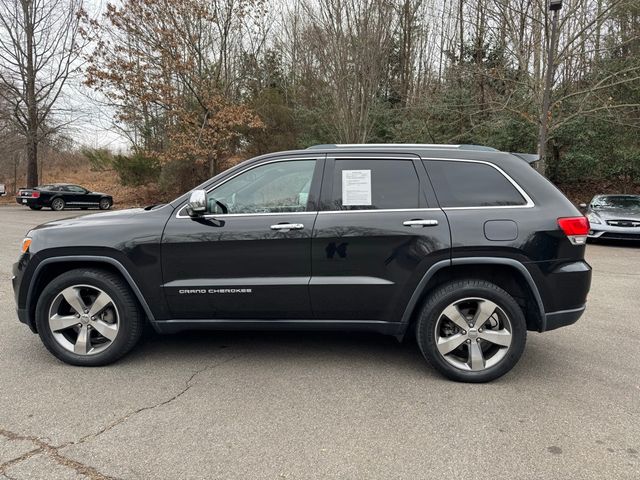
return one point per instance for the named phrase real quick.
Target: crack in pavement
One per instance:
(51, 451)
(86, 470)
(115, 423)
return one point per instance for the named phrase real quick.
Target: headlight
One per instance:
(593, 218)
(25, 245)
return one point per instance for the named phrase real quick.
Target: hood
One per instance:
(104, 218)
(616, 213)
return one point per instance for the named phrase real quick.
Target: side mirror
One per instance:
(197, 205)
(583, 206)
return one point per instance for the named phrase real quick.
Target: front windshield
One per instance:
(623, 202)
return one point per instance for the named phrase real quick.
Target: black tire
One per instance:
(445, 296)
(35, 207)
(131, 321)
(57, 204)
(104, 204)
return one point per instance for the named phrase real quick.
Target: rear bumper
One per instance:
(28, 201)
(563, 318)
(563, 288)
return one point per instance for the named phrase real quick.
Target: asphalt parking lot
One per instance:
(310, 406)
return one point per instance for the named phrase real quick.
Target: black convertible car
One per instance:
(59, 196)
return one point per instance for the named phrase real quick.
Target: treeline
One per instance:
(197, 84)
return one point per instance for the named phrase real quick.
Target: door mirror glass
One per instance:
(197, 205)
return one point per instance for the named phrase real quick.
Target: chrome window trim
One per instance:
(315, 158)
(259, 214)
(382, 210)
(528, 201)
(409, 156)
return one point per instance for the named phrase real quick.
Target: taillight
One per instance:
(35, 194)
(575, 228)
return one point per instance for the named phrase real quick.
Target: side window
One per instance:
(468, 184)
(272, 188)
(375, 184)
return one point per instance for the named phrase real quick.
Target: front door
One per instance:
(249, 257)
(378, 232)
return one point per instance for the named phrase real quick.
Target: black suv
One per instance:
(466, 246)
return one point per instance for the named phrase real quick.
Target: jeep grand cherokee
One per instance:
(464, 245)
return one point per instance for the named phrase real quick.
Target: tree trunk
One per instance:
(543, 135)
(32, 107)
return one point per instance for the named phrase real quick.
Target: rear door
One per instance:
(378, 231)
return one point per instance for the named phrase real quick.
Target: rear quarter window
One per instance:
(470, 184)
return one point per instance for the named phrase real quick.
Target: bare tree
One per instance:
(39, 50)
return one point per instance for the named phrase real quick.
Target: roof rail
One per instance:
(403, 145)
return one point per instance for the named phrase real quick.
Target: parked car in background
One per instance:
(3, 190)
(614, 217)
(59, 196)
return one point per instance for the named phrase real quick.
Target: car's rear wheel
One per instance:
(88, 317)
(471, 331)
(105, 204)
(35, 207)
(57, 204)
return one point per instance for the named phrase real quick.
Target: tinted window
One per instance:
(375, 184)
(271, 188)
(467, 184)
(75, 189)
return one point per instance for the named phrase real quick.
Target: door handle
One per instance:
(420, 223)
(285, 227)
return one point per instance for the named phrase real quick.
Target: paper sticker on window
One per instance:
(356, 187)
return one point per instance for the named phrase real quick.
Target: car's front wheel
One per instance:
(88, 317)
(57, 204)
(471, 331)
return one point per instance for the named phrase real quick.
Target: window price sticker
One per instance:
(356, 187)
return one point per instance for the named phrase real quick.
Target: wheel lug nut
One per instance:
(480, 330)
(464, 332)
(468, 341)
(77, 315)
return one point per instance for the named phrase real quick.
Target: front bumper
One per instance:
(604, 231)
(17, 283)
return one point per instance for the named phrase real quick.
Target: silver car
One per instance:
(615, 217)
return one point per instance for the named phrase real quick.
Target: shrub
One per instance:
(100, 159)
(137, 169)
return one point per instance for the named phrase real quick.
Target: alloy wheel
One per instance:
(84, 319)
(473, 334)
